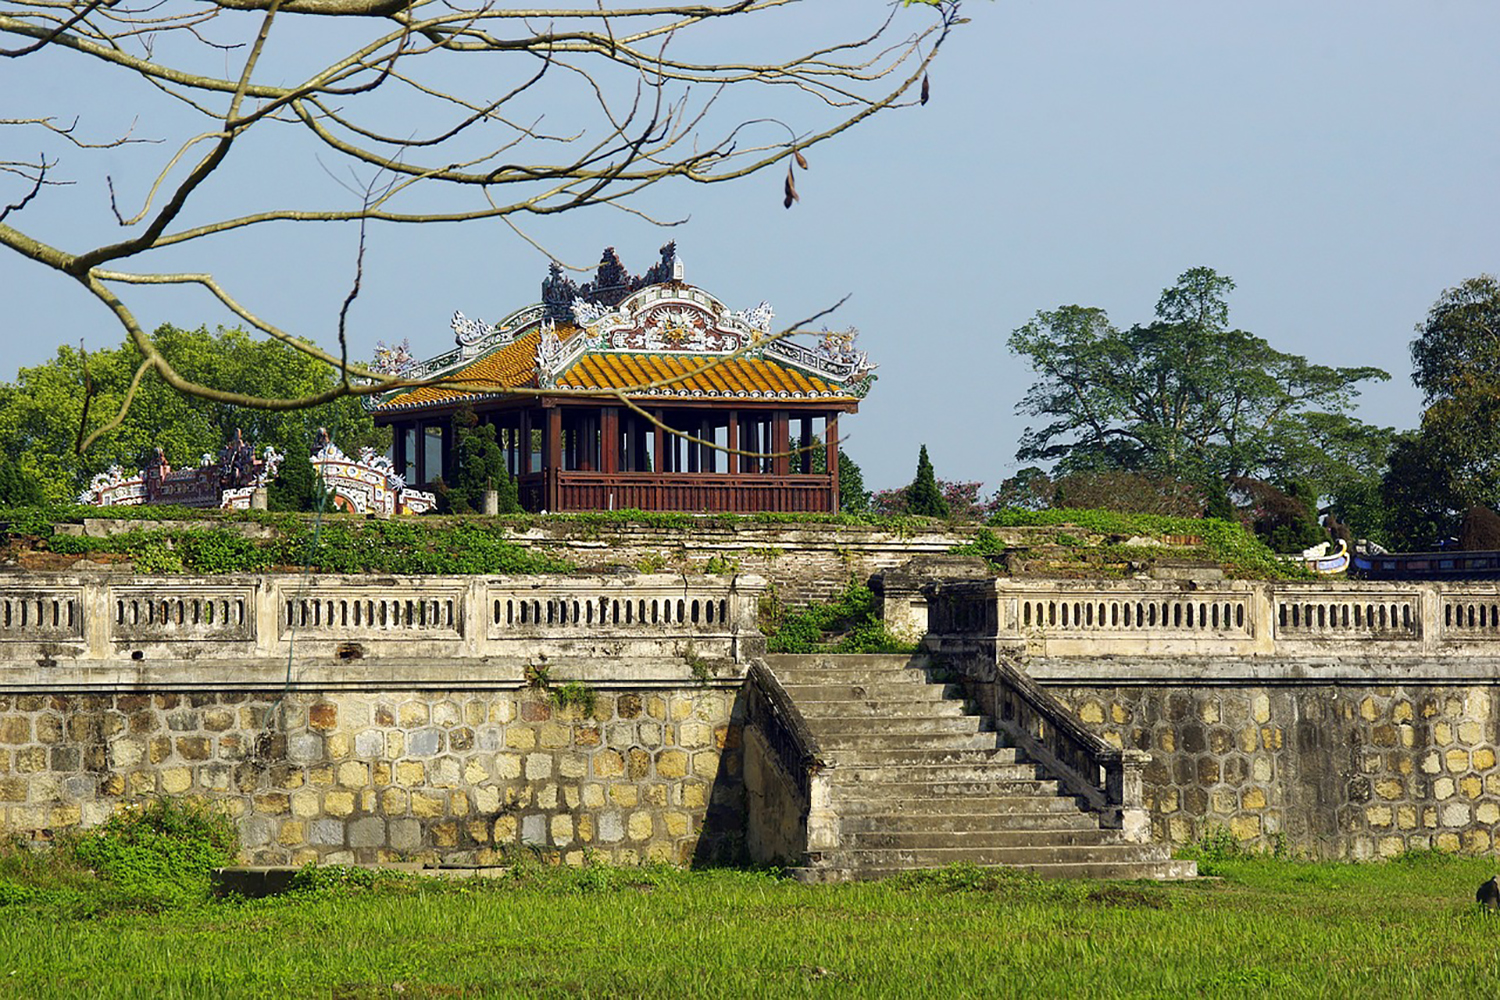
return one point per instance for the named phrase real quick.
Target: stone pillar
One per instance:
(260, 499)
(491, 502)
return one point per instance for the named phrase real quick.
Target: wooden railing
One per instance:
(702, 491)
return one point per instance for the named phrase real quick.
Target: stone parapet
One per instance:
(1234, 618)
(53, 619)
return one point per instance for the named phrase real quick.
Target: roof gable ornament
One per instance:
(549, 356)
(469, 334)
(757, 319)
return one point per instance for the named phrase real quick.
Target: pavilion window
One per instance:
(431, 457)
(409, 454)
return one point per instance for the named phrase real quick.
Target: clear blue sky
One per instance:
(1339, 160)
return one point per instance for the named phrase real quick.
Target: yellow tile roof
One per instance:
(694, 375)
(510, 366)
(514, 365)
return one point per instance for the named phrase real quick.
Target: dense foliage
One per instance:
(853, 497)
(479, 467)
(42, 411)
(298, 487)
(334, 544)
(850, 623)
(1241, 553)
(1452, 462)
(154, 857)
(1185, 395)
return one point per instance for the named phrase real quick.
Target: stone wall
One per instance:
(803, 562)
(1331, 770)
(453, 776)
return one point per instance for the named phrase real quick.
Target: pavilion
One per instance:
(756, 417)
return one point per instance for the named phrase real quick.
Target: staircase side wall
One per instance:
(775, 814)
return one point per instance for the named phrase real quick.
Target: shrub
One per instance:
(159, 855)
(850, 623)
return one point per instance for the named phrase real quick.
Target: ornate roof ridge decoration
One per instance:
(611, 284)
(369, 484)
(654, 313)
(677, 318)
(226, 481)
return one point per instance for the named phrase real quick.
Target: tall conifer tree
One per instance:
(923, 496)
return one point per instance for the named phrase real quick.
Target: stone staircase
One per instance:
(917, 782)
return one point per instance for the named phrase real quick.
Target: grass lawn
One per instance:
(1402, 929)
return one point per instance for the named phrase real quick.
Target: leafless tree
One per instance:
(446, 113)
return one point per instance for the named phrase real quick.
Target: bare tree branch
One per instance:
(627, 98)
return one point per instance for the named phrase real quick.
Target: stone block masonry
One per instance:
(803, 562)
(1333, 771)
(451, 776)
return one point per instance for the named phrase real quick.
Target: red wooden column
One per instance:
(609, 439)
(781, 442)
(552, 459)
(523, 444)
(832, 461)
(804, 441)
(733, 462)
(658, 443)
(421, 453)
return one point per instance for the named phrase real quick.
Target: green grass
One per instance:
(1265, 927)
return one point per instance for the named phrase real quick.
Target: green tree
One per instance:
(853, 497)
(923, 496)
(297, 487)
(17, 487)
(41, 412)
(1452, 462)
(1184, 396)
(480, 466)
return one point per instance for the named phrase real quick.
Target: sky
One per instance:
(1338, 159)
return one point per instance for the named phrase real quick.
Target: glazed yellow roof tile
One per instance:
(510, 366)
(708, 376)
(515, 365)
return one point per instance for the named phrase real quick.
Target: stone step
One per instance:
(856, 772)
(886, 793)
(903, 756)
(936, 805)
(860, 675)
(883, 693)
(887, 661)
(1162, 871)
(864, 708)
(924, 840)
(915, 673)
(897, 741)
(959, 725)
(1025, 855)
(972, 818)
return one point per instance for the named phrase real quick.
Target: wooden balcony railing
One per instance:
(701, 491)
